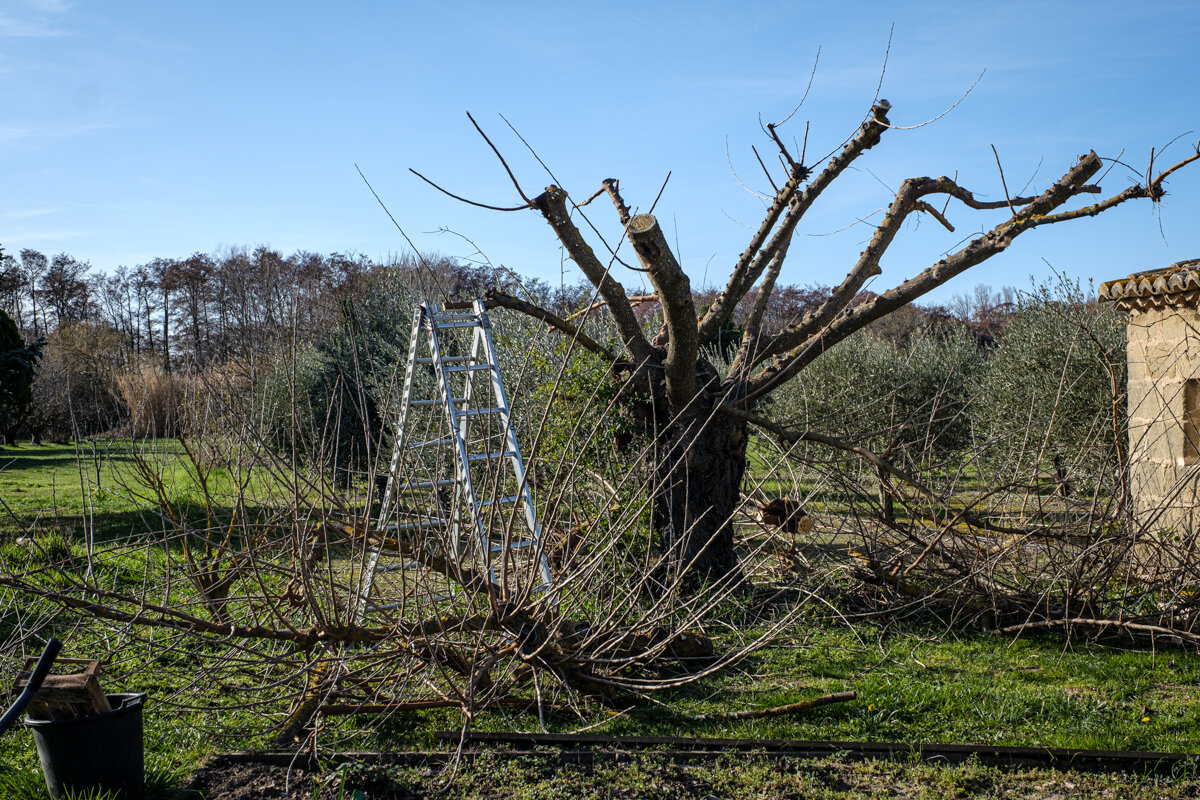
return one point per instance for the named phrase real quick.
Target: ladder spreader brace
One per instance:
(465, 518)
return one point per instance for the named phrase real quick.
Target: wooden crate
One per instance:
(66, 696)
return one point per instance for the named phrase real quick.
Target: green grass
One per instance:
(973, 687)
(965, 687)
(916, 681)
(500, 776)
(63, 488)
(68, 488)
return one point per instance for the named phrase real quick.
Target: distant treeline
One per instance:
(110, 338)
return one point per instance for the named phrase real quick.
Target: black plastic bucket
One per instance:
(103, 751)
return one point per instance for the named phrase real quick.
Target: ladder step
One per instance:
(450, 316)
(466, 323)
(437, 598)
(424, 485)
(396, 567)
(428, 443)
(445, 359)
(469, 368)
(493, 501)
(497, 454)
(523, 544)
(413, 526)
(384, 606)
(473, 412)
(435, 401)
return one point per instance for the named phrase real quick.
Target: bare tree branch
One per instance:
(766, 171)
(503, 163)
(800, 344)
(1003, 183)
(867, 267)
(753, 327)
(635, 300)
(675, 291)
(462, 199)
(613, 187)
(553, 205)
(498, 299)
(756, 257)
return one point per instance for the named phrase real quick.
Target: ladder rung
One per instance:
(469, 367)
(466, 323)
(492, 501)
(453, 315)
(523, 544)
(472, 412)
(497, 454)
(437, 598)
(412, 526)
(396, 567)
(428, 443)
(435, 401)
(424, 485)
(384, 606)
(445, 359)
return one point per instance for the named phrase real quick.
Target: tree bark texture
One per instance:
(699, 467)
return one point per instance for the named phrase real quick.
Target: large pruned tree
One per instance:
(698, 420)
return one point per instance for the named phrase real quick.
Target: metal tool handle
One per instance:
(32, 685)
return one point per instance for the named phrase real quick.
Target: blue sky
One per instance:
(132, 130)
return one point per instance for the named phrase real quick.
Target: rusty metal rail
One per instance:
(691, 748)
(595, 749)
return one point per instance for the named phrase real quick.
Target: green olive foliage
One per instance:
(911, 400)
(1055, 384)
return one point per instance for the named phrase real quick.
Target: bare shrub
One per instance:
(1026, 523)
(154, 401)
(250, 575)
(74, 389)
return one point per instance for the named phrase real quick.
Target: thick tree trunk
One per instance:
(701, 461)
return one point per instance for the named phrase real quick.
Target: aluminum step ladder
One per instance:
(456, 484)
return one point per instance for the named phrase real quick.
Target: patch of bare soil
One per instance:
(220, 778)
(495, 775)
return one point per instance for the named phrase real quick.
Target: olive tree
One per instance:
(697, 417)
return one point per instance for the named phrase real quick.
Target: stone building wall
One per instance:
(1164, 415)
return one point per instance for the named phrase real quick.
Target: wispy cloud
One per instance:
(13, 134)
(30, 19)
(50, 6)
(28, 213)
(27, 237)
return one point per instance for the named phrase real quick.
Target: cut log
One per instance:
(786, 513)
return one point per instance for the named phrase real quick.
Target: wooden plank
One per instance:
(75, 694)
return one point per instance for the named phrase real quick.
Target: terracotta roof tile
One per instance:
(1178, 284)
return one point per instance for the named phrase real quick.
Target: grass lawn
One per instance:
(917, 680)
(65, 488)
